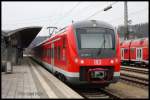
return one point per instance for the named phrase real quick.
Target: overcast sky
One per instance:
(22, 14)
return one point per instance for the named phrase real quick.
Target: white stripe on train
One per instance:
(68, 74)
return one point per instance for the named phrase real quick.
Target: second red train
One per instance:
(135, 52)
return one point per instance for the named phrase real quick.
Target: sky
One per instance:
(60, 14)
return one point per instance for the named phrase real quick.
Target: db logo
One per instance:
(97, 62)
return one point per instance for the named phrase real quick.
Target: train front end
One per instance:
(94, 53)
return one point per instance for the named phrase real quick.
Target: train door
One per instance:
(122, 53)
(52, 57)
(139, 54)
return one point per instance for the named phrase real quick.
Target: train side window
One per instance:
(140, 53)
(46, 52)
(122, 53)
(49, 52)
(58, 52)
(132, 49)
(52, 53)
(42, 53)
(64, 42)
(55, 52)
(125, 50)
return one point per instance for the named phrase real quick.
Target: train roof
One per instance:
(79, 24)
(92, 23)
(53, 35)
(135, 42)
(140, 42)
(138, 39)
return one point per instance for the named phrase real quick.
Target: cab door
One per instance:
(139, 54)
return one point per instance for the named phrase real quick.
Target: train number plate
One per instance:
(98, 74)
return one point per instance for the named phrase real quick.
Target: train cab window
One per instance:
(108, 41)
(89, 38)
(95, 42)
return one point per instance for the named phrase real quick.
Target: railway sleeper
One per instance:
(135, 70)
(135, 80)
(133, 76)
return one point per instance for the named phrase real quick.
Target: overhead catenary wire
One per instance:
(132, 13)
(84, 9)
(100, 11)
(59, 18)
(39, 20)
(51, 17)
(42, 18)
(68, 12)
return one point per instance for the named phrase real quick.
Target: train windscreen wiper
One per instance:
(100, 49)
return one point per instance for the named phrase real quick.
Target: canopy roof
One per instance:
(24, 36)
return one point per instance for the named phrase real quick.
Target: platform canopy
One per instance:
(21, 37)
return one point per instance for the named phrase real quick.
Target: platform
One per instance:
(30, 80)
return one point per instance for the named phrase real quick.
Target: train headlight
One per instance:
(116, 60)
(111, 61)
(82, 61)
(76, 60)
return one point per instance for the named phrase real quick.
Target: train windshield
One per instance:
(95, 39)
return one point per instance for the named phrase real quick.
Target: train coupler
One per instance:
(96, 75)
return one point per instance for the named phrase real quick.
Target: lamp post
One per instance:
(126, 34)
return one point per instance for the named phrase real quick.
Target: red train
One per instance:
(85, 52)
(135, 52)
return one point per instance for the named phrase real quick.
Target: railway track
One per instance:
(135, 75)
(95, 93)
(135, 69)
(136, 65)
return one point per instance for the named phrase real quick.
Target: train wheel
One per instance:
(63, 78)
(59, 76)
(56, 74)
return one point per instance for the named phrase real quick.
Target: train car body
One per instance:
(135, 51)
(86, 52)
